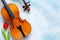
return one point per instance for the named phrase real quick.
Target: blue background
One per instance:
(44, 18)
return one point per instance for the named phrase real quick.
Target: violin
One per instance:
(18, 28)
(26, 6)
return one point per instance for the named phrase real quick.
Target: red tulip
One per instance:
(5, 26)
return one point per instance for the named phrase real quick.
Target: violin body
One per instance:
(13, 8)
(18, 28)
(16, 33)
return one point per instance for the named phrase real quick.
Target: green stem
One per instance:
(5, 35)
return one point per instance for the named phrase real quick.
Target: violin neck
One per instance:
(7, 9)
(24, 1)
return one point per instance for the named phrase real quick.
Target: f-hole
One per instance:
(20, 29)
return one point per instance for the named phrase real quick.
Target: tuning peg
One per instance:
(24, 9)
(29, 5)
(23, 6)
(28, 2)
